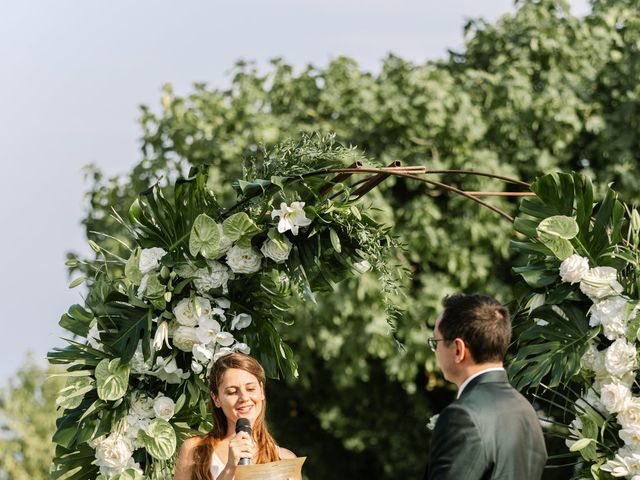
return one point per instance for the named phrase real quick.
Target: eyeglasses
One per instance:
(433, 342)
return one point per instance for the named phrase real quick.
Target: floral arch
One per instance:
(204, 279)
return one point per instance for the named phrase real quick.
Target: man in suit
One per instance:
(490, 431)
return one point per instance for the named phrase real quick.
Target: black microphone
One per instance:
(243, 425)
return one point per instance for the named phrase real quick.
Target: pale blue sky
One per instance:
(73, 73)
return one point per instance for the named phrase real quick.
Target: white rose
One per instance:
(225, 339)
(629, 416)
(164, 407)
(572, 269)
(242, 348)
(149, 258)
(614, 397)
(590, 358)
(215, 275)
(240, 321)
(113, 454)
(291, 217)
(243, 260)
(599, 282)
(620, 358)
(611, 314)
(201, 353)
(207, 331)
(189, 312)
(185, 338)
(278, 251)
(630, 435)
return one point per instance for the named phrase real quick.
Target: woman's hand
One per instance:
(240, 446)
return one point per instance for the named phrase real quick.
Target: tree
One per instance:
(27, 421)
(539, 90)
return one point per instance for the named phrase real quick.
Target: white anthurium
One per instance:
(243, 260)
(161, 336)
(207, 331)
(225, 339)
(240, 321)
(242, 348)
(291, 216)
(164, 407)
(221, 353)
(150, 259)
(201, 353)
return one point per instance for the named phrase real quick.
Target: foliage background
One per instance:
(537, 91)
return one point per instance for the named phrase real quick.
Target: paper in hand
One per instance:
(290, 468)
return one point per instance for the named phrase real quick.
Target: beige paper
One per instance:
(290, 468)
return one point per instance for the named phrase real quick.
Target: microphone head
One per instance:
(243, 425)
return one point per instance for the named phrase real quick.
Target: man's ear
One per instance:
(462, 351)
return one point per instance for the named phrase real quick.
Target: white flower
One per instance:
(141, 405)
(184, 338)
(164, 407)
(536, 300)
(216, 275)
(276, 250)
(207, 331)
(600, 282)
(291, 217)
(614, 397)
(142, 289)
(201, 353)
(242, 348)
(222, 302)
(363, 266)
(629, 416)
(630, 435)
(189, 311)
(113, 454)
(590, 358)
(575, 432)
(167, 370)
(431, 424)
(221, 353)
(134, 425)
(540, 322)
(625, 463)
(196, 367)
(149, 258)
(161, 337)
(616, 467)
(240, 321)
(610, 313)
(620, 358)
(225, 339)
(138, 364)
(243, 260)
(93, 336)
(572, 269)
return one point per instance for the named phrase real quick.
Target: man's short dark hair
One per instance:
(480, 321)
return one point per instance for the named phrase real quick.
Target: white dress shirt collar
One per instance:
(477, 374)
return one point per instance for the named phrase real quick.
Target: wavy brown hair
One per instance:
(267, 447)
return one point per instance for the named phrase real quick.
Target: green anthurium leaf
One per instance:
(239, 226)
(580, 444)
(560, 247)
(112, 379)
(74, 391)
(132, 268)
(159, 439)
(559, 226)
(205, 237)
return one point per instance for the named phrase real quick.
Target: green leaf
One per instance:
(335, 240)
(76, 282)
(558, 226)
(240, 228)
(132, 270)
(560, 247)
(112, 379)
(580, 444)
(159, 439)
(205, 237)
(72, 394)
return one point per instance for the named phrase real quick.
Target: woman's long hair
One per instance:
(267, 448)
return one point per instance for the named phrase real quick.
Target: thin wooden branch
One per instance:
(374, 181)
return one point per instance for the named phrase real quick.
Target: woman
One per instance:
(237, 385)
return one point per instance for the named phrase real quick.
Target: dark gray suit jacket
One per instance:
(490, 432)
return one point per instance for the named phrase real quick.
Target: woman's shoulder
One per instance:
(286, 453)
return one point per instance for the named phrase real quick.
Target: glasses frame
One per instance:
(433, 342)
